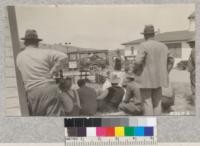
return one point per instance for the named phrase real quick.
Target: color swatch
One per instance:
(106, 127)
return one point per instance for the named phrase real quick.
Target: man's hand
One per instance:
(57, 66)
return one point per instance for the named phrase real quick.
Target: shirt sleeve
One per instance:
(55, 56)
(77, 98)
(141, 55)
(17, 60)
(58, 59)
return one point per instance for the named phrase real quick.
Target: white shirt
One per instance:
(35, 65)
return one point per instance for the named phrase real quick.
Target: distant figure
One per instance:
(37, 67)
(132, 103)
(118, 64)
(110, 99)
(152, 57)
(87, 97)
(70, 98)
(191, 67)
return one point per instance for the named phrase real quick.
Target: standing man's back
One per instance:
(154, 73)
(152, 60)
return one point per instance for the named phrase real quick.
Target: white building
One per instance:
(175, 40)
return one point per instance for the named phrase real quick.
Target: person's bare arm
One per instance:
(103, 95)
(78, 99)
(170, 62)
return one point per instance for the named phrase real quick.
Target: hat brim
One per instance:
(149, 33)
(115, 81)
(38, 39)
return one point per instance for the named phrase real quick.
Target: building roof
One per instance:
(174, 36)
(192, 16)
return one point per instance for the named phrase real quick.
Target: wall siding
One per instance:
(12, 107)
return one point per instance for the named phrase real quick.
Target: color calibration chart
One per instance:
(105, 131)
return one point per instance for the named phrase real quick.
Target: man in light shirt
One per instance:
(37, 67)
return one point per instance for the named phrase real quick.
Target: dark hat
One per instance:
(148, 29)
(31, 34)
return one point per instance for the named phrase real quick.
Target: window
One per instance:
(72, 56)
(132, 50)
(175, 49)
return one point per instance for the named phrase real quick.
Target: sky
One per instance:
(100, 26)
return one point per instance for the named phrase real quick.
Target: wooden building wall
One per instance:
(12, 107)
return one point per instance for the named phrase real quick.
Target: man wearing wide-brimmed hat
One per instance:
(152, 57)
(37, 67)
(191, 66)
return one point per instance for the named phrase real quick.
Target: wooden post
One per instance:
(16, 50)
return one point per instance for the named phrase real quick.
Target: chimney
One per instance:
(191, 19)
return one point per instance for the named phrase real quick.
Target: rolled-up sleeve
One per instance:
(55, 56)
(58, 59)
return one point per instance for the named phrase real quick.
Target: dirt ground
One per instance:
(180, 82)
